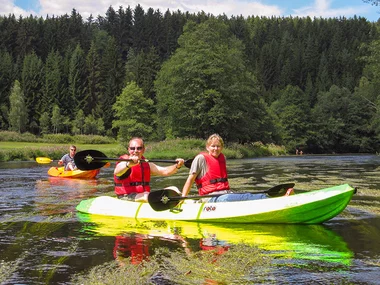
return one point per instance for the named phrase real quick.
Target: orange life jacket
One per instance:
(137, 181)
(215, 178)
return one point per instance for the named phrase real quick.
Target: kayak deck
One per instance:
(60, 172)
(306, 208)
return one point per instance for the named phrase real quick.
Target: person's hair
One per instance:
(214, 137)
(136, 138)
(73, 146)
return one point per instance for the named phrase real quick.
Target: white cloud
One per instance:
(87, 7)
(317, 8)
(7, 7)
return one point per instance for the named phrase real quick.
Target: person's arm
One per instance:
(189, 182)
(166, 171)
(62, 160)
(123, 166)
(198, 168)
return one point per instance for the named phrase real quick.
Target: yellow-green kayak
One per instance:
(304, 208)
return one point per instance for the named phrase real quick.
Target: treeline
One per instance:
(301, 82)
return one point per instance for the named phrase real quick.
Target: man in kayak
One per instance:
(132, 178)
(68, 159)
(209, 172)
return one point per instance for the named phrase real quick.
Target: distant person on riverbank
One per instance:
(132, 178)
(209, 172)
(68, 159)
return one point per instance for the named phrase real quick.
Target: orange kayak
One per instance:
(60, 172)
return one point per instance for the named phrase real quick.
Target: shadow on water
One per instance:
(46, 242)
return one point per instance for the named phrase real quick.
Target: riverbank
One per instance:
(169, 149)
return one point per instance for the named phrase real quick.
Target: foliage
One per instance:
(293, 112)
(9, 136)
(342, 122)
(132, 119)
(208, 76)
(233, 71)
(53, 145)
(17, 110)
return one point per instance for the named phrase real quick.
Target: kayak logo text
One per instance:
(209, 208)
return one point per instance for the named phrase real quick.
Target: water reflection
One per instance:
(301, 242)
(55, 195)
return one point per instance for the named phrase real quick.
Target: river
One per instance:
(46, 241)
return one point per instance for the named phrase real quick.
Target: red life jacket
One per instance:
(215, 178)
(137, 181)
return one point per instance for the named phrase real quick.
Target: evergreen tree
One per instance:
(32, 83)
(78, 82)
(94, 81)
(53, 83)
(113, 76)
(17, 111)
(57, 121)
(78, 123)
(45, 123)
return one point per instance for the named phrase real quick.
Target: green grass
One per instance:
(24, 147)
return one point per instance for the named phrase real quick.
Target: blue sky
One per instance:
(301, 8)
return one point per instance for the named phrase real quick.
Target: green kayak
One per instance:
(311, 207)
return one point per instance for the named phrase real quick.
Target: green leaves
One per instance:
(132, 113)
(205, 86)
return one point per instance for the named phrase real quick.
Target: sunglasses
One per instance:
(136, 148)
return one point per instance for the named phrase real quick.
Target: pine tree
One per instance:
(17, 111)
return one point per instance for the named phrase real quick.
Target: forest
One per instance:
(308, 83)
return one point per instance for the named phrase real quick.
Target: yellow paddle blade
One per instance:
(43, 160)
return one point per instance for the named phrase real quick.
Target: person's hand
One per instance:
(180, 162)
(134, 160)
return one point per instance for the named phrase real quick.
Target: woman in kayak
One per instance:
(132, 178)
(209, 172)
(68, 159)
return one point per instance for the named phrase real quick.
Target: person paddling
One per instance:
(209, 172)
(132, 178)
(68, 159)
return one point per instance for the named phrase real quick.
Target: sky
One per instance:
(279, 8)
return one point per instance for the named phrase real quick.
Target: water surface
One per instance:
(49, 241)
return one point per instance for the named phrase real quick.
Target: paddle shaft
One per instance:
(94, 159)
(105, 159)
(274, 190)
(161, 200)
(195, 197)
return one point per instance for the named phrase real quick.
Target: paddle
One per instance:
(165, 199)
(94, 159)
(44, 160)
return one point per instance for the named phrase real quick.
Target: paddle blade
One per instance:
(89, 159)
(160, 200)
(188, 162)
(43, 160)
